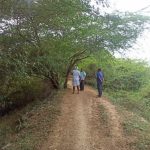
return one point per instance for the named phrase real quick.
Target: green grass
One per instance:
(103, 119)
(131, 101)
(135, 110)
(103, 114)
(135, 126)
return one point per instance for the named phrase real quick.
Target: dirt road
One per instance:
(80, 126)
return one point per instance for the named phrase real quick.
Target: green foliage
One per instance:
(47, 38)
(19, 91)
(126, 81)
(127, 75)
(138, 127)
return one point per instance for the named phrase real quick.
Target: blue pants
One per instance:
(99, 87)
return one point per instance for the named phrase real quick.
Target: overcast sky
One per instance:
(142, 49)
(129, 5)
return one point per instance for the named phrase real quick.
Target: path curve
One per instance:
(79, 126)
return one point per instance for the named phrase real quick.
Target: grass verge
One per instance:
(103, 114)
(134, 110)
(26, 129)
(136, 129)
(103, 119)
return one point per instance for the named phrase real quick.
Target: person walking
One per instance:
(100, 79)
(76, 79)
(82, 79)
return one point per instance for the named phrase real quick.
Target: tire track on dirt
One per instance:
(79, 127)
(117, 140)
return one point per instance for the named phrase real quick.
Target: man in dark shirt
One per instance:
(100, 79)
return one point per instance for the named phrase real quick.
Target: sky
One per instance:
(140, 50)
(129, 5)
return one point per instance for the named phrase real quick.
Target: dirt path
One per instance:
(80, 128)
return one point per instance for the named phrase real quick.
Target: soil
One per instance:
(80, 127)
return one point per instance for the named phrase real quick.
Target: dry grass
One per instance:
(26, 129)
(136, 127)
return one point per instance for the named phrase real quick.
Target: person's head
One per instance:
(99, 69)
(81, 69)
(76, 67)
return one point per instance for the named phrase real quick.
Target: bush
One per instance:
(20, 92)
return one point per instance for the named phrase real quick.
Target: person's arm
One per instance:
(100, 79)
(103, 76)
(100, 76)
(79, 73)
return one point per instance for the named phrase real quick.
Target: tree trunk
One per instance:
(73, 60)
(68, 72)
(66, 79)
(54, 80)
(55, 83)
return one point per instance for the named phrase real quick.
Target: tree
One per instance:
(49, 36)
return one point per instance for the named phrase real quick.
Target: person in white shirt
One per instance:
(82, 79)
(76, 79)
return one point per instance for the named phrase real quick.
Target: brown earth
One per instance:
(80, 126)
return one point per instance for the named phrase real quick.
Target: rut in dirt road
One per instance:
(80, 128)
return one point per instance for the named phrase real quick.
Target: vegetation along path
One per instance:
(86, 123)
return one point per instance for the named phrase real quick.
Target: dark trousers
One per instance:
(82, 85)
(99, 87)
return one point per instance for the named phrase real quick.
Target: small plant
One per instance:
(103, 114)
(20, 124)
